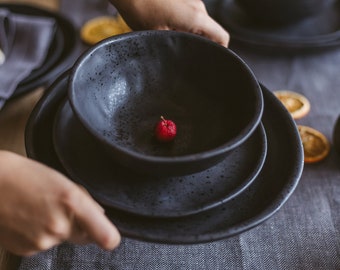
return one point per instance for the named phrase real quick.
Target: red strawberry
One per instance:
(165, 130)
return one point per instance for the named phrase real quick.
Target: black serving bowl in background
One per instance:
(119, 88)
(283, 12)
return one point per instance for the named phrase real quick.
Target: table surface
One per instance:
(304, 234)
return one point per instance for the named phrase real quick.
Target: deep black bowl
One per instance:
(120, 87)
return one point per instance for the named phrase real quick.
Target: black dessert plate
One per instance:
(259, 201)
(60, 55)
(121, 188)
(321, 31)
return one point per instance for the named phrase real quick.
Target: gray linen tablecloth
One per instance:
(304, 234)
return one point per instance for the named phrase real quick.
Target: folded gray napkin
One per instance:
(25, 41)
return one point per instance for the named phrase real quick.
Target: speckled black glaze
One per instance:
(258, 202)
(116, 186)
(120, 88)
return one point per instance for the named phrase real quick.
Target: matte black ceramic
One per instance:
(120, 88)
(40, 122)
(60, 55)
(283, 12)
(336, 135)
(315, 33)
(121, 188)
(262, 199)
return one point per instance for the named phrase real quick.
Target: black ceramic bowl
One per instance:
(283, 12)
(119, 89)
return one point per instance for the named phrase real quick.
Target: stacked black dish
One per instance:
(221, 175)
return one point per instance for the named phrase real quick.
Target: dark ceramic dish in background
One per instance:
(119, 89)
(317, 32)
(283, 12)
(258, 202)
(61, 54)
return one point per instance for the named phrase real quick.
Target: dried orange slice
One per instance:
(315, 145)
(297, 104)
(103, 27)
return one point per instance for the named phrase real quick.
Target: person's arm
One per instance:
(40, 208)
(180, 15)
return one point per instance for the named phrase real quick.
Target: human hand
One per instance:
(40, 208)
(180, 15)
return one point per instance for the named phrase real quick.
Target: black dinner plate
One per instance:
(61, 53)
(118, 187)
(317, 32)
(258, 202)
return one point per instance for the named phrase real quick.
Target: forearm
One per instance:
(181, 15)
(143, 14)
